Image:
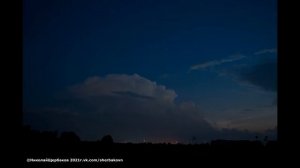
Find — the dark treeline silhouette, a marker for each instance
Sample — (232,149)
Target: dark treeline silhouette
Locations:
(34,136)
(107,139)
(68,144)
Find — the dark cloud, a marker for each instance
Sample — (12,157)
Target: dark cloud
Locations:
(274,102)
(263,75)
(247,111)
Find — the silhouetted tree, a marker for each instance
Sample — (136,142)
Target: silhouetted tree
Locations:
(69,137)
(48,136)
(265,140)
(107,139)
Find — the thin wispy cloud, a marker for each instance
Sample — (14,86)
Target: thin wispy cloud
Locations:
(216,62)
(266,51)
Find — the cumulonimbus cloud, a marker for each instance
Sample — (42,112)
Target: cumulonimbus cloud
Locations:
(131,108)
(121,84)
(216,62)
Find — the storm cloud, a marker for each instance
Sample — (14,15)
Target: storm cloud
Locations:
(130,107)
(263,75)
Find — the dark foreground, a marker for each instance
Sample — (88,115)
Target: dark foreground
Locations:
(46,150)
(227,152)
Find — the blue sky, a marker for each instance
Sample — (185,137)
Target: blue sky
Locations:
(231,45)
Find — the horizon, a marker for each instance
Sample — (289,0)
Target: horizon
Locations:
(58,135)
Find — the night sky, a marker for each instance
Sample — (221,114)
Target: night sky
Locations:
(151,70)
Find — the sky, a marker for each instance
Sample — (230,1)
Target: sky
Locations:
(151,70)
